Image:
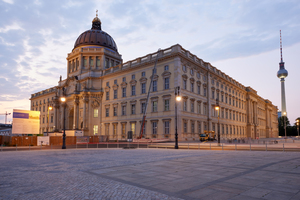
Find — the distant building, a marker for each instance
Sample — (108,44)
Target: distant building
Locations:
(107,97)
(5,129)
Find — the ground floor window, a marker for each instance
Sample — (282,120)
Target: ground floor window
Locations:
(95,129)
(167,127)
(154,128)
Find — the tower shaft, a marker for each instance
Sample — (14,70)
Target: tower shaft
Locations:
(283,105)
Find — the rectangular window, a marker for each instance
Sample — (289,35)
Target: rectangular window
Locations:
(51,119)
(98,62)
(143,88)
(133,109)
(213,94)
(192,107)
(167,127)
(123,110)
(154,71)
(167,104)
(199,108)
(144,129)
(154,106)
(115,129)
(192,87)
(115,111)
(199,89)
(123,130)
(43,120)
(132,128)
(115,94)
(167,83)
(133,77)
(184,106)
(106,129)
(226,99)
(107,112)
(154,128)
(112,63)
(95,129)
(91,62)
(124,79)
(116,81)
(95,112)
(222,98)
(132,90)
(167,68)
(185,127)
(84,62)
(199,127)
(123,92)
(154,86)
(143,107)
(43,108)
(204,92)
(107,84)
(107,95)
(184,84)
(193,127)
(106,63)
(204,109)
(143,74)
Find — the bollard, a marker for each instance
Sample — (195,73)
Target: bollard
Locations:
(222,146)
(250,146)
(118,145)
(266,147)
(147,145)
(235,146)
(283,147)
(209,146)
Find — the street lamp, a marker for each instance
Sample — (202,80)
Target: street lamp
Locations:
(49,108)
(298,124)
(63,99)
(217,108)
(177,98)
(284,123)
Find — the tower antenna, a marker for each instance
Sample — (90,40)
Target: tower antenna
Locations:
(281,47)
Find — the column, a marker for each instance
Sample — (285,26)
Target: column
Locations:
(75,115)
(84,112)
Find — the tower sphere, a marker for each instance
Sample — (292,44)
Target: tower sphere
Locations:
(282,73)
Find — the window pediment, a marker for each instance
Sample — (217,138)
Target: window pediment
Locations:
(107,89)
(198,82)
(133,82)
(123,84)
(115,86)
(155,77)
(184,76)
(166,74)
(143,80)
(192,80)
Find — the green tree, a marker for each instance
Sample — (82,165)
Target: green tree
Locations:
(281,121)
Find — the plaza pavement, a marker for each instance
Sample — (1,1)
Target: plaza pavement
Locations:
(149,174)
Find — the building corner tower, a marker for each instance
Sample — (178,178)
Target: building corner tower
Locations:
(282,74)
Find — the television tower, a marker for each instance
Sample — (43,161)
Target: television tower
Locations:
(282,74)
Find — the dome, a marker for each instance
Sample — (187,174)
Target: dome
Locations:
(96,36)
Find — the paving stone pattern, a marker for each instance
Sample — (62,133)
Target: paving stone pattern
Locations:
(149,174)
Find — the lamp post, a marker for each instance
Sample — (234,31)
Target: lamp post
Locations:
(217,107)
(298,124)
(284,124)
(63,99)
(49,108)
(177,98)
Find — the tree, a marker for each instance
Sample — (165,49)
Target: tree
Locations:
(281,121)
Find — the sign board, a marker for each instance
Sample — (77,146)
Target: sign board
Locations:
(26,122)
(43,140)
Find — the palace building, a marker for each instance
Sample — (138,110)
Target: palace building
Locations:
(105,96)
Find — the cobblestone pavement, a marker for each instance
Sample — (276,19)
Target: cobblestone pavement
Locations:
(149,174)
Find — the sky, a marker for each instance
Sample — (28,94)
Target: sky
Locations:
(239,37)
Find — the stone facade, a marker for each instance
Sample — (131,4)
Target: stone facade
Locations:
(105,96)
